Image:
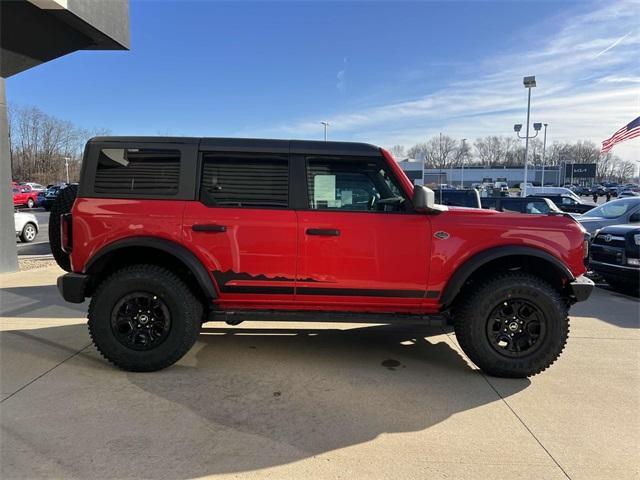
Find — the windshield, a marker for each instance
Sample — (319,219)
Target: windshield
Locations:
(614,209)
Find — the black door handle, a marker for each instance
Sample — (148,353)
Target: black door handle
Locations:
(327,232)
(208,228)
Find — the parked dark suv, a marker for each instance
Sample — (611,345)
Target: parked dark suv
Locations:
(167,233)
(569,204)
(530,205)
(615,255)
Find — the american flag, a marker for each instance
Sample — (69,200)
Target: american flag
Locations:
(630,130)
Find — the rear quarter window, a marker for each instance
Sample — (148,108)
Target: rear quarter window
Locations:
(144,171)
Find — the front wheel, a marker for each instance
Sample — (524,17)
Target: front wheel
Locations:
(30,203)
(29,233)
(144,318)
(512,325)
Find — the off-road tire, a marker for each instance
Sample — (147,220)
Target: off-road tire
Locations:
(27,230)
(62,204)
(185,312)
(472,311)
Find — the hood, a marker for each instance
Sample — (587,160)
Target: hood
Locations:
(620,229)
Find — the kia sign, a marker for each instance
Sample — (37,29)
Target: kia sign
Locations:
(580,170)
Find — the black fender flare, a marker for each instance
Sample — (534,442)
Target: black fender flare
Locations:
(172,248)
(462,274)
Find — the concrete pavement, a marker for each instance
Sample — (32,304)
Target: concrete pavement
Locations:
(283,400)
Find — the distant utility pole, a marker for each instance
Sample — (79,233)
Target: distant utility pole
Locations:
(464,154)
(326,125)
(544,148)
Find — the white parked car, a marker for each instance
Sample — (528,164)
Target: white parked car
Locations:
(36,187)
(26,226)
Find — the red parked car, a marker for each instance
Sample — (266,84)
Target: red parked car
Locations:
(24,195)
(168,233)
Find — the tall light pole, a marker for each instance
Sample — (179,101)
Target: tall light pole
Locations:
(66,165)
(529,83)
(544,148)
(326,125)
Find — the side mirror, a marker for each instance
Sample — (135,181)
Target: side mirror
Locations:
(424,200)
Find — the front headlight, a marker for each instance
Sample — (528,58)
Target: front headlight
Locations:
(585,244)
(636,238)
(633,261)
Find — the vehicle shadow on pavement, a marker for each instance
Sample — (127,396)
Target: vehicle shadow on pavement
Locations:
(41,301)
(274,396)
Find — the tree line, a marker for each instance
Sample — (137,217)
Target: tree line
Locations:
(40,145)
(494,151)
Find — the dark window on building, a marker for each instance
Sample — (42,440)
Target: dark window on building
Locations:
(355,185)
(142,171)
(245,180)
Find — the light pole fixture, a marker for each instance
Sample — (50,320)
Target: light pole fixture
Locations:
(529,83)
(326,125)
(544,151)
(66,164)
(464,152)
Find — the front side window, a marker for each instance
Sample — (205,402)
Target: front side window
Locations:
(245,180)
(352,185)
(144,171)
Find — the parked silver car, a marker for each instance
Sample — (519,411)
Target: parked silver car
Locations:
(615,212)
(26,226)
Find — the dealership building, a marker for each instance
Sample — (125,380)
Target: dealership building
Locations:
(578,173)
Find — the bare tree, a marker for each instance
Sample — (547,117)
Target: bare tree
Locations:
(398,152)
(41,144)
(441,151)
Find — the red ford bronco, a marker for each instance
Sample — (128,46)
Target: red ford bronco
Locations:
(165,234)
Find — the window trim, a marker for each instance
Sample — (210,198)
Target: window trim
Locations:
(230,152)
(186,185)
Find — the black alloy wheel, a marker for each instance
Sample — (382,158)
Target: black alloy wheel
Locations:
(516,328)
(140,321)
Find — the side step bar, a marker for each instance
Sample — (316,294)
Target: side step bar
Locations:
(238,316)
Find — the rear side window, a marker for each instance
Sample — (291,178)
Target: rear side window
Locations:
(138,171)
(537,207)
(245,180)
(514,206)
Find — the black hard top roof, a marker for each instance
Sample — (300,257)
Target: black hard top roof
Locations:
(256,144)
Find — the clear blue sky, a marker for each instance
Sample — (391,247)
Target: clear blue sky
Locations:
(276,69)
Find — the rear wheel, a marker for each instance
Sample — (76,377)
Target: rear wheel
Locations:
(144,318)
(62,204)
(29,232)
(512,325)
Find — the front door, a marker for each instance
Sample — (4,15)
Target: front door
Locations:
(243,229)
(360,243)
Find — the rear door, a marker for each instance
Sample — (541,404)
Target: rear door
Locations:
(360,244)
(241,224)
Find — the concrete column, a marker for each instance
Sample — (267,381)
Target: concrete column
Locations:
(8,252)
